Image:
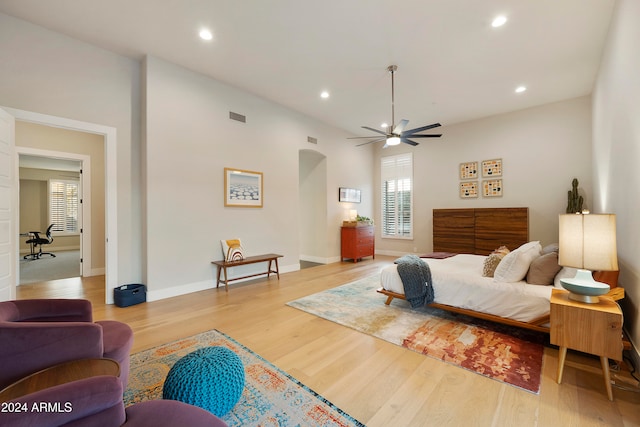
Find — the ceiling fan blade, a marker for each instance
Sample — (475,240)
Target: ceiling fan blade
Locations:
(374,130)
(371,142)
(408,141)
(364,137)
(434,135)
(400,126)
(420,129)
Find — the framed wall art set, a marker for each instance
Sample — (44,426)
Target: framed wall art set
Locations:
(470,187)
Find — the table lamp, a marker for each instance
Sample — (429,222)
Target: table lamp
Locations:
(587,242)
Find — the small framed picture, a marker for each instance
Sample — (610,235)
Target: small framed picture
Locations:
(349,195)
(242,188)
(469,189)
(491,168)
(492,188)
(469,170)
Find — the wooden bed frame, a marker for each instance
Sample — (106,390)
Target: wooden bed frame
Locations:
(480,231)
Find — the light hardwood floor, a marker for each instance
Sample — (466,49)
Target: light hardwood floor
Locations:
(378,383)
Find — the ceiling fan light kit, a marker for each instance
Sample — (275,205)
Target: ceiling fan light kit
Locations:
(396,135)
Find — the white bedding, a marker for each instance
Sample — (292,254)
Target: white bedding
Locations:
(458,281)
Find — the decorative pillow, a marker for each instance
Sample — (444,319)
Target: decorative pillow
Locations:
(553,247)
(492,261)
(490,264)
(564,273)
(232,250)
(543,269)
(532,247)
(502,250)
(514,266)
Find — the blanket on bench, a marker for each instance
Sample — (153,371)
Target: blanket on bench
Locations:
(416,278)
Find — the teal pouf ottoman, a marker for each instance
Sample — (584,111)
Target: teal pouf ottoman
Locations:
(211,378)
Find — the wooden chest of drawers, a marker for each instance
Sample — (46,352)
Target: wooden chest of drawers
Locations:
(357,242)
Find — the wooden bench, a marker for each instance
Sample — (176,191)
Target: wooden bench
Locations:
(223,265)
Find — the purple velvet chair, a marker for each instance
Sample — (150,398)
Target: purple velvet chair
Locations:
(97,402)
(39,333)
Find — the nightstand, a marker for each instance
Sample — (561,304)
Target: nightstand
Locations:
(591,328)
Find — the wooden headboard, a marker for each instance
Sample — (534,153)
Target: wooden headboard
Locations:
(479,231)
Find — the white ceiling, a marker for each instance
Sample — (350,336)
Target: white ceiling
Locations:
(452,65)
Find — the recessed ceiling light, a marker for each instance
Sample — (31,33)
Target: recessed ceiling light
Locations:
(324,94)
(521,89)
(384,125)
(499,21)
(205,34)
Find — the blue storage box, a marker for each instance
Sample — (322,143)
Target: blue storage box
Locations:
(126,295)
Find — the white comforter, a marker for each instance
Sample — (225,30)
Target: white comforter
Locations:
(458,281)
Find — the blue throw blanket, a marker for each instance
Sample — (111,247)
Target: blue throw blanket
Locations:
(416,278)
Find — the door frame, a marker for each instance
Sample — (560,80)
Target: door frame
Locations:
(111,180)
(85,206)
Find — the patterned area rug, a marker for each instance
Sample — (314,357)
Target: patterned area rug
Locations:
(508,354)
(271,397)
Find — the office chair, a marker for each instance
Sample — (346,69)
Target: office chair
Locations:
(36,241)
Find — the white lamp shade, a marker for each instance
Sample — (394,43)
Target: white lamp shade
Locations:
(588,242)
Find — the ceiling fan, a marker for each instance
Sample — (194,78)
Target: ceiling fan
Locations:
(398,134)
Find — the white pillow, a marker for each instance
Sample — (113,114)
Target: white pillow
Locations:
(564,273)
(533,247)
(514,266)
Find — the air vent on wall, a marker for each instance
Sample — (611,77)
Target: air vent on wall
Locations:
(237,117)
(312,140)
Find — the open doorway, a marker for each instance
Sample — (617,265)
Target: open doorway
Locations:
(313,208)
(109,209)
(61,182)
(50,194)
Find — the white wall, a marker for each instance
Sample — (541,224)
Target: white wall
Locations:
(542,150)
(616,149)
(190,139)
(48,73)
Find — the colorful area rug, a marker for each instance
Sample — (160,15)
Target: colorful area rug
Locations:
(508,354)
(271,397)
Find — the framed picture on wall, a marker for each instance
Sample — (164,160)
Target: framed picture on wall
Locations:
(242,188)
(468,170)
(352,195)
(492,188)
(491,168)
(469,190)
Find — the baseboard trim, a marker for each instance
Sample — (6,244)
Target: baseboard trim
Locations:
(174,291)
(94,272)
(320,260)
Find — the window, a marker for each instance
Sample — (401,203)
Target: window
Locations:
(63,206)
(397,197)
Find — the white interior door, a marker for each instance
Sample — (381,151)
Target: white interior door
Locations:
(8,231)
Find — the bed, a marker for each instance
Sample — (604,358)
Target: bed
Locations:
(458,284)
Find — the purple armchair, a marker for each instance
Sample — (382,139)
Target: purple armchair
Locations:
(97,402)
(39,333)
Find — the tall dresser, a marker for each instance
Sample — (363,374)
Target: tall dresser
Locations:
(357,242)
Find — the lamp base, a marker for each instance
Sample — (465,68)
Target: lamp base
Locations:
(583,288)
(589,299)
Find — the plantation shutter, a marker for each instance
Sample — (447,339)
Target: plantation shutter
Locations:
(63,206)
(397,198)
